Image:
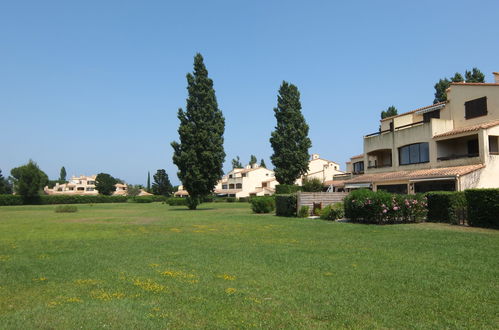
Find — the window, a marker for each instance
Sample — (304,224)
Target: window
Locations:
(90,189)
(475,108)
(239,186)
(414,154)
(358,167)
(231,186)
(473,148)
(224,186)
(264,184)
(80,188)
(432,114)
(244,175)
(91,182)
(230,176)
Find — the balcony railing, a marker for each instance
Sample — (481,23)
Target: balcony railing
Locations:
(451,157)
(396,128)
(379,166)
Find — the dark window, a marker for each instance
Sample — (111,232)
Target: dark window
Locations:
(475,108)
(239,186)
(422,187)
(414,154)
(394,188)
(224,186)
(231,186)
(473,148)
(358,167)
(432,114)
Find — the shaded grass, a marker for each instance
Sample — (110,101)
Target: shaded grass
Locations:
(156,266)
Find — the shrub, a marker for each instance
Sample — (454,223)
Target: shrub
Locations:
(483,207)
(264,204)
(80,199)
(382,207)
(141,199)
(312,185)
(243,199)
(176,201)
(286,189)
(304,211)
(231,199)
(446,206)
(285,205)
(333,212)
(208,199)
(65,209)
(317,208)
(6,200)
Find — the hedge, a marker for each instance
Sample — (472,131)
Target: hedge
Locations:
(483,207)
(446,206)
(61,199)
(286,189)
(382,207)
(10,200)
(176,201)
(285,205)
(263,204)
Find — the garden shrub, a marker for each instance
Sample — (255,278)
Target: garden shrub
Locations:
(333,212)
(317,209)
(285,205)
(264,204)
(231,199)
(7,200)
(141,199)
(65,209)
(243,199)
(446,206)
(312,185)
(304,211)
(286,189)
(176,201)
(382,207)
(208,199)
(483,207)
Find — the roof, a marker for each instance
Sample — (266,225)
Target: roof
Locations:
(474,84)
(181,193)
(469,128)
(270,180)
(416,174)
(227,191)
(357,156)
(334,183)
(260,189)
(325,160)
(415,110)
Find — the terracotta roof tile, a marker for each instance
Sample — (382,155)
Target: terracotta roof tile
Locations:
(415,110)
(357,156)
(416,174)
(334,183)
(474,84)
(469,128)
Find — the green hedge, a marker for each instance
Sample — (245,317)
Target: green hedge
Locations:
(264,204)
(176,201)
(382,207)
(286,189)
(483,207)
(285,205)
(10,200)
(61,199)
(446,206)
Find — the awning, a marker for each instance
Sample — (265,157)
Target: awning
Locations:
(433,179)
(357,185)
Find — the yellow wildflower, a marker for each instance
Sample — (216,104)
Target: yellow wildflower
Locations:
(230,290)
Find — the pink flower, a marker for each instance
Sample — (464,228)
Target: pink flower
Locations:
(384,211)
(395,208)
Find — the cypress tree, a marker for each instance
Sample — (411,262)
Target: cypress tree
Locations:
(199,155)
(290,139)
(253,160)
(148,187)
(262,163)
(236,163)
(161,185)
(62,176)
(474,76)
(391,111)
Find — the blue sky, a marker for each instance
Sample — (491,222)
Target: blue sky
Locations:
(95,85)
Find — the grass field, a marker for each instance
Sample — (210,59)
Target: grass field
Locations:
(156,266)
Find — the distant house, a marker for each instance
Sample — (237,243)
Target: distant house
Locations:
(451,145)
(84,185)
(249,181)
(321,169)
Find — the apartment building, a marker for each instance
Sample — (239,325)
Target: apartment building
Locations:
(249,181)
(82,185)
(321,169)
(452,145)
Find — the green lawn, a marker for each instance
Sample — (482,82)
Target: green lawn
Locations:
(156,266)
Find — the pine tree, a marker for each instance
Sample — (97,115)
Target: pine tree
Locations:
(391,111)
(457,77)
(161,185)
(199,155)
(262,164)
(29,180)
(105,184)
(148,186)
(441,90)
(253,160)
(236,163)
(62,176)
(290,138)
(474,76)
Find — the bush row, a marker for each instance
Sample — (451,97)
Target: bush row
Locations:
(483,207)
(446,206)
(286,189)
(264,204)
(285,205)
(6,200)
(382,207)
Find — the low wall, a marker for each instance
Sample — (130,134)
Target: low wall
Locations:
(325,198)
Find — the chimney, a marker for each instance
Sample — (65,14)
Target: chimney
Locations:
(496,77)
(315,156)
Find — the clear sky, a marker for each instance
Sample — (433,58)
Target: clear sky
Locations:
(95,85)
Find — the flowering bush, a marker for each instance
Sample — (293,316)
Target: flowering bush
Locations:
(382,207)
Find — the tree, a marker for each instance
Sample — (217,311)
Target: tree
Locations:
(474,76)
(457,77)
(441,90)
(29,180)
(391,111)
(199,155)
(148,187)
(105,184)
(236,163)
(133,190)
(62,176)
(312,185)
(262,164)
(161,185)
(5,187)
(290,138)
(253,160)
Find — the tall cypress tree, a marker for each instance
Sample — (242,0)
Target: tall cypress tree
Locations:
(199,155)
(148,186)
(253,160)
(290,139)
(62,175)
(262,163)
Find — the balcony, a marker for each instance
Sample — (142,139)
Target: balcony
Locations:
(459,151)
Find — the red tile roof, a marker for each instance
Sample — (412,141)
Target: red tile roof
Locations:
(415,110)
(416,174)
(469,128)
(474,84)
(334,183)
(357,156)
